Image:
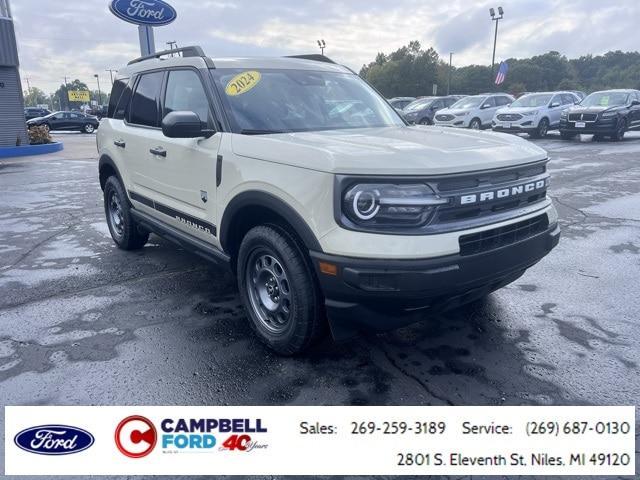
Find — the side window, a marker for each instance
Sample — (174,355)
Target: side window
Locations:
(144,104)
(437,105)
(568,99)
(501,101)
(555,99)
(122,108)
(116,92)
(490,102)
(186,93)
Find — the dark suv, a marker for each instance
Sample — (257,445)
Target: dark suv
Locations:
(422,110)
(35,112)
(609,113)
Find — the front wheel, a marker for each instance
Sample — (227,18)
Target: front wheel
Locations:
(542,130)
(88,128)
(123,228)
(279,291)
(621,129)
(475,124)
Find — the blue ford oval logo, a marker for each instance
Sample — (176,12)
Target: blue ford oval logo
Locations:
(53,440)
(144,12)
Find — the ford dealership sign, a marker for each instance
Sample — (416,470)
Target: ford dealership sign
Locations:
(144,12)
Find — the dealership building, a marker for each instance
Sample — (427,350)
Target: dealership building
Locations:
(13,130)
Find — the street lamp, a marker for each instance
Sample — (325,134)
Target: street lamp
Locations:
(322,45)
(495,18)
(450,68)
(99,92)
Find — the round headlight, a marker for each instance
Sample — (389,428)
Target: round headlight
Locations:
(365,204)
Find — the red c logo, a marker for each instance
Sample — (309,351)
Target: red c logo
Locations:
(136,436)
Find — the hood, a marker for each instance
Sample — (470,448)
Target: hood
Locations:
(34,120)
(520,110)
(597,109)
(402,150)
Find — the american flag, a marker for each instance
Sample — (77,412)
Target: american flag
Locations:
(502,73)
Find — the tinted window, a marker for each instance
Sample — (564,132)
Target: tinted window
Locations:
(500,101)
(186,93)
(144,104)
(491,102)
(450,101)
(437,104)
(116,92)
(568,99)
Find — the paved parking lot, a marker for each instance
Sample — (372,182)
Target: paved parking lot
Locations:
(82,322)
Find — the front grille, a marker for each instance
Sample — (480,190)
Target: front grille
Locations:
(444,118)
(583,117)
(500,237)
(509,117)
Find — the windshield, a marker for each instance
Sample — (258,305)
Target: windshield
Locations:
(535,100)
(605,99)
(277,101)
(468,102)
(418,104)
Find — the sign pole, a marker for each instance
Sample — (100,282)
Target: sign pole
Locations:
(147,40)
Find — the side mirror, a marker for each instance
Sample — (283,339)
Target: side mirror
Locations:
(184,125)
(486,105)
(555,104)
(635,102)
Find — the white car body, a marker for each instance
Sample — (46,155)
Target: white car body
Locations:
(515,119)
(478,116)
(211,190)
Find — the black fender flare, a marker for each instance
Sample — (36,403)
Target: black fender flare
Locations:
(266,200)
(106,160)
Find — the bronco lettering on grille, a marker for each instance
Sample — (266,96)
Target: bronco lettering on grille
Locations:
(502,193)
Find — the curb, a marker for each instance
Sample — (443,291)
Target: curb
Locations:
(23,151)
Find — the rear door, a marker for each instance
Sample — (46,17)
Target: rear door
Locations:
(489,109)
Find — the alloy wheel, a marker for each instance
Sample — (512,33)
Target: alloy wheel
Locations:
(116,215)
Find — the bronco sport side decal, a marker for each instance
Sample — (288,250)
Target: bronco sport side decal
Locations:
(185,219)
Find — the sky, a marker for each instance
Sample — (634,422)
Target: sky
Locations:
(81,38)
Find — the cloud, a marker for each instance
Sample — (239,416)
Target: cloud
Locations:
(79,38)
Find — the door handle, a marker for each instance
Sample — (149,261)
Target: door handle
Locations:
(119,143)
(159,151)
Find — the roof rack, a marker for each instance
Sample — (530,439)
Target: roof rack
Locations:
(193,51)
(312,56)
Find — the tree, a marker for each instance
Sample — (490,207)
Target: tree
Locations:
(34,96)
(63,94)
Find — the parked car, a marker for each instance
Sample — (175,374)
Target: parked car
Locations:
(323,212)
(66,121)
(535,113)
(579,94)
(474,112)
(421,111)
(608,113)
(35,112)
(400,102)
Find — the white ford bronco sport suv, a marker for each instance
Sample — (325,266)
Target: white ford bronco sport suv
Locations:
(301,178)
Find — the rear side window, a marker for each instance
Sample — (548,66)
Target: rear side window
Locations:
(116,92)
(121,109)
(186,93)
(144,104)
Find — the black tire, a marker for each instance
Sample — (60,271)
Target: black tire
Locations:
(279,290)
(567,135)
(475,124)
(125,232)
(88,128)
(425,121)
(542,130)
(621,129)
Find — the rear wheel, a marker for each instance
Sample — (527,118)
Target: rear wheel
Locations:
(279,290)
(124,230)
(475,124)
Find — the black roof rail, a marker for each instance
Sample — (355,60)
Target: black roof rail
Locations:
(192,51)
(313,56)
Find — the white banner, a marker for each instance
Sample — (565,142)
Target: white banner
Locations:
(319,440)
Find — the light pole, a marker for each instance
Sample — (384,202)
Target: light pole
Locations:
(99,92)
(450,67)
(111,72)
(495,18)
(322,45)
(172,44)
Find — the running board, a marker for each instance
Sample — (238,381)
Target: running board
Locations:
(186,241)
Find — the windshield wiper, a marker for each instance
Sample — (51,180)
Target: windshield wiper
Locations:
(249,131)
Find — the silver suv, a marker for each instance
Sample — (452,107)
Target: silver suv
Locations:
(534,113)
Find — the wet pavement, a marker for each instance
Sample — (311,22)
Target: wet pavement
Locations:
(82,322)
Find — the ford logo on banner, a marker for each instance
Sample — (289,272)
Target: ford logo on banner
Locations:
(144,12)
(53,440)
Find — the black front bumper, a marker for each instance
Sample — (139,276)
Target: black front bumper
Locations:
(599,127)
(386,294)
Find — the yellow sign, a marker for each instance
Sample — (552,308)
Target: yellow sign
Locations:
(79,96)
(242,83)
